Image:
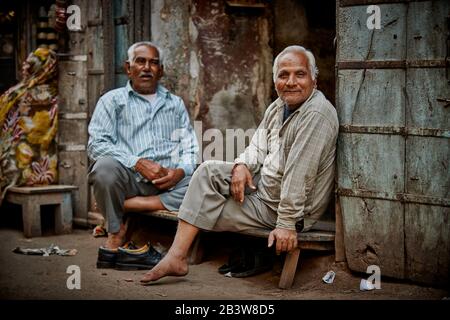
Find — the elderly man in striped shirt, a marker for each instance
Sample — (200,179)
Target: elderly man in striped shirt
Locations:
(293,152)
(143,145)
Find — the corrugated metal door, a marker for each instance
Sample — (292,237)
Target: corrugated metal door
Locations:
(393,150)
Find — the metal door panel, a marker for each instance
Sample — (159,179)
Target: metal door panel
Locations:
(424,87)
(358,43)
(372,97)
(373,235)
(427,166)
(427,242)
(427,31)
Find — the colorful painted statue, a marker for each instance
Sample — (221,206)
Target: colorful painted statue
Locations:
(28,125)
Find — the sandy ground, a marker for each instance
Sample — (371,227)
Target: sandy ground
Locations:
(38,277)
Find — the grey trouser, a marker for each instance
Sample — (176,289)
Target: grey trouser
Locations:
(208,204)
(113,183)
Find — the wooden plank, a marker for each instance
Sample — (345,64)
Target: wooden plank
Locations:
(108,44)
(42,189)
(64,215)
(73,94)
(357,42)
(77,42)
(164,214)
(72,168)
(95,10)
(427,242)
(374,235)
(302,236)
(96,89)
(289,269)
(95,49)
(307,236)
(31,216)
(67,128)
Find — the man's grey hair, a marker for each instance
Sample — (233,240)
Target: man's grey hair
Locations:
(311,60)
(147,44)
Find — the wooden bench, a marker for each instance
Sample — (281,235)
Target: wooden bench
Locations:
(321,238)
(31,199)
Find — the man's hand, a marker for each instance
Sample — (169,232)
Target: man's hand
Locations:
(241,177)
(149,169)
(172,177)
(286,240)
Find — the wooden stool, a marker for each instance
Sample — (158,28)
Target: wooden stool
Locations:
(31,199)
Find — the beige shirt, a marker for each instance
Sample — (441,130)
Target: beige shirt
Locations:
(295,159)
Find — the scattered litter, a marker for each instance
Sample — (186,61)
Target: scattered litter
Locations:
(128,280)
(52,249)
(329,277)
(366,285)
(104,274)
(99,231)
(228,274)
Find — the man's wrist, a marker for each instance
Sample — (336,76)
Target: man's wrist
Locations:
(236,165)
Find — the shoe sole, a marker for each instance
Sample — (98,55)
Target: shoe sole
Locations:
(105,265)
(252,272)
(129,266)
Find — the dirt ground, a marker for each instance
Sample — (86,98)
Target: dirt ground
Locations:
(38,277)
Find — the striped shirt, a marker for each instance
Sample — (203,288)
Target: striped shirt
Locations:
(295,159)
(127,127)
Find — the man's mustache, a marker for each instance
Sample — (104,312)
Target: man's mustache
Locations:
(146,74)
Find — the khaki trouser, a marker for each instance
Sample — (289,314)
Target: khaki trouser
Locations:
(208,204)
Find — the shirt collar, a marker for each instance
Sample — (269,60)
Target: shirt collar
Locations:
(280,103)
(161,91)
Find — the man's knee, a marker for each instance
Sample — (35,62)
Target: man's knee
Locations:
(105,172)
(210,166)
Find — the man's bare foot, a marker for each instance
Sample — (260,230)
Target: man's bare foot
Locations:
(170,265)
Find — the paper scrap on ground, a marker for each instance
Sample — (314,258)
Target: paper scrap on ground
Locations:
(366,285)
(52,249)
(99,231)
(329,277)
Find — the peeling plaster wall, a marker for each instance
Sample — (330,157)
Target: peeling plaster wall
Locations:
(219,61)
(169,25)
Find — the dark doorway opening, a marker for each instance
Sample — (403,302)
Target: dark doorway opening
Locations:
(311,24)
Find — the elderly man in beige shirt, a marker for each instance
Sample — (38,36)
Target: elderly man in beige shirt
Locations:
(292,154)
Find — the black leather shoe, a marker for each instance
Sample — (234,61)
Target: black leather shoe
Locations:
(140,259)
(107,257)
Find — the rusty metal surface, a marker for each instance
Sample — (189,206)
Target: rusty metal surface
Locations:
(394,142)
(401,197)
(234,96)
(392,130)
(347,3)
(402,64)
